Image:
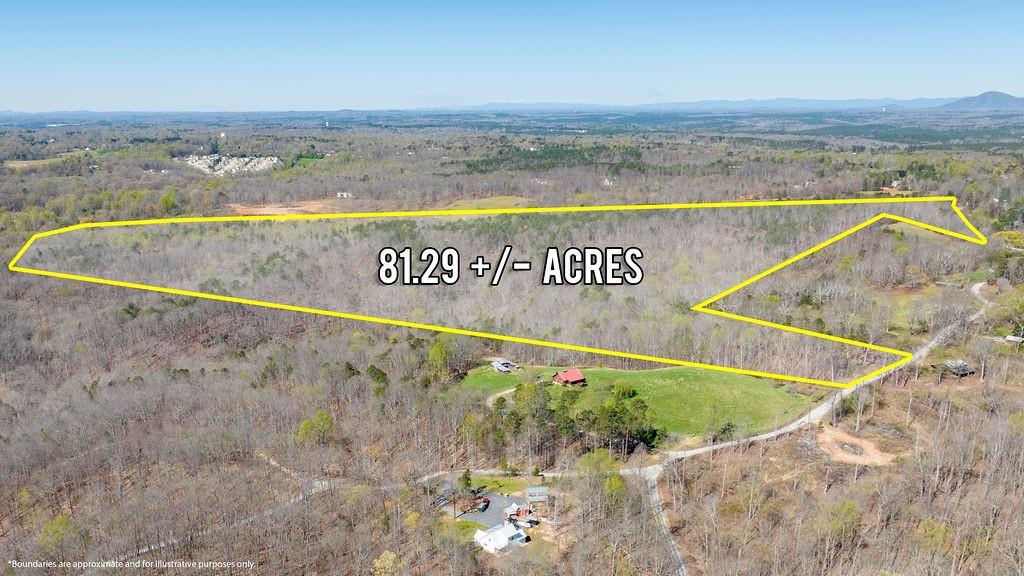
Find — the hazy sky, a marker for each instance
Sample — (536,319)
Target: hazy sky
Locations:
(305,55)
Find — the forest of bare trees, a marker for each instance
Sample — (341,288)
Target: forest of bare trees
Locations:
(143,425)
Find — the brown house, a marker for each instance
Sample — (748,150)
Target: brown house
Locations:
(569,377)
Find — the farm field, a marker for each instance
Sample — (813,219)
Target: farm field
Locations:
(27,164)
(490,202)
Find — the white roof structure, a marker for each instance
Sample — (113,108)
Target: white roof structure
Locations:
(497,538)
(503,365)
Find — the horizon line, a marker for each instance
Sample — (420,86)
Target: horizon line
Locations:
(708,102)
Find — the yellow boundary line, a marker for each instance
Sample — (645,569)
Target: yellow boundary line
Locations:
(704,306)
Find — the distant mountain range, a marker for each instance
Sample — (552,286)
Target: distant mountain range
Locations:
(986,102)
(793,104)
(989,101)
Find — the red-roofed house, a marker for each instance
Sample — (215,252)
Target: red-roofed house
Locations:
(569,377)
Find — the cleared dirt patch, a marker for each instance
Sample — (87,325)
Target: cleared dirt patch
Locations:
(297,207)
(846,448)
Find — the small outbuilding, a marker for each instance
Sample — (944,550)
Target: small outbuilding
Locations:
(536,494)
(958,368)
(569,377)
(513,511)
(504,366)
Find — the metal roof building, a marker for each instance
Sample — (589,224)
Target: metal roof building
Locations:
(536,494)
(569,376)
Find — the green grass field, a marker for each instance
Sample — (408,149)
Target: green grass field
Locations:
(306,160)
(485,380)
(683,400)
(903,300)
(502,485)
(22,164)
(464,529)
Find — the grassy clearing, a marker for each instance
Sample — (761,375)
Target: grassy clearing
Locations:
(490,202)
(486,381)
(501,485)
(691,401)
(307,160)
(22,164)
(903,299)
(967,277)
(27,164)
(683,400)
(538,547)
(464,529)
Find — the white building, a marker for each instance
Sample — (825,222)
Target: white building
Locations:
(511,511)
(503,366)
(497,538)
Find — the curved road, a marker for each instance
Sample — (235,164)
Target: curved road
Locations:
(653,472)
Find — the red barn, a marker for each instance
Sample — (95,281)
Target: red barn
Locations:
(569,377)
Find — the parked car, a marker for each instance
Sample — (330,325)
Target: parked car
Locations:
(482,504)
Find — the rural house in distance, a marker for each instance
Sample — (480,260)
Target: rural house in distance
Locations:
(504,366)
(569,377)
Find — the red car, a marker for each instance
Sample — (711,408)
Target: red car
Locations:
(482,504)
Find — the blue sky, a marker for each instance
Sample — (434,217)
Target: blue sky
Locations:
(312,56)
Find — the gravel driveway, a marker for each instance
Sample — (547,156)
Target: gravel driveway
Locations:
(492,516)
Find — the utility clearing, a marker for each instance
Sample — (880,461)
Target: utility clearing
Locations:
(844,447)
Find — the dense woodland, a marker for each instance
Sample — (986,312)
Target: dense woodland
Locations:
(131,419)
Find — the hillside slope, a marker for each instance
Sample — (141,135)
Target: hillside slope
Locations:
(989,101)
